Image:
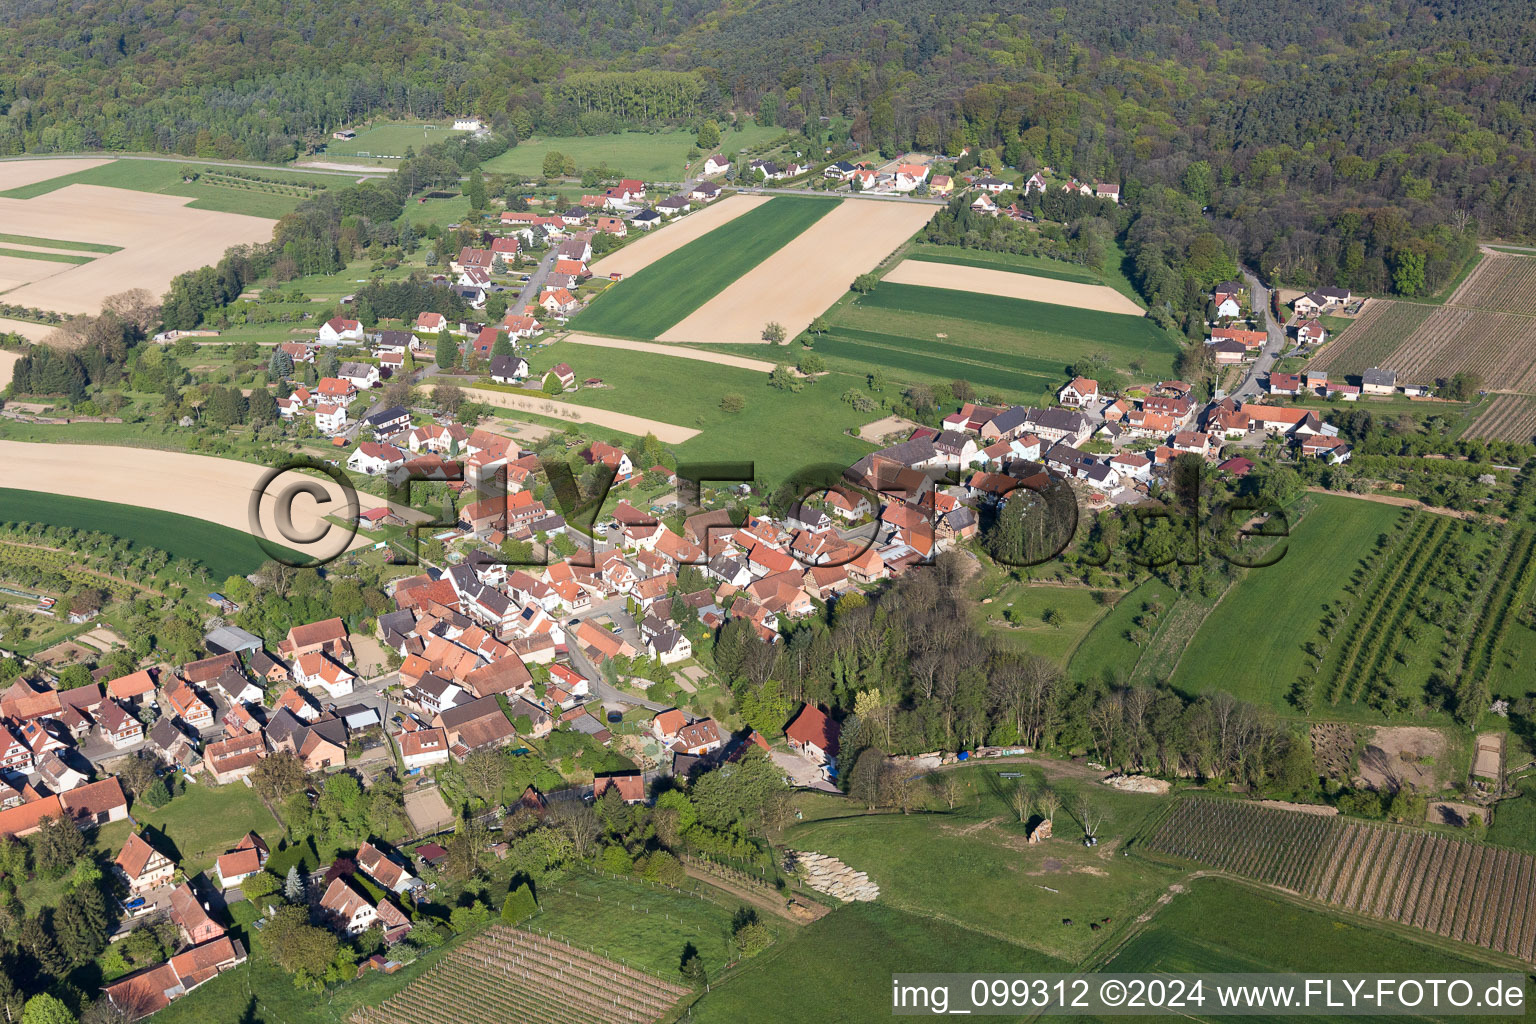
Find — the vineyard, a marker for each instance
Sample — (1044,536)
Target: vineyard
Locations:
(1501,282)
(1507,418)
(507,974)
(1469,892)
(1424,344)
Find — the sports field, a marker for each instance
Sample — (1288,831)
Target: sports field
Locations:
(652,156)
(224,551)
(1014,347)
(654,299)
(1250,645)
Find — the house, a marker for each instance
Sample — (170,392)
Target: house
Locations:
(361,376)
(842,170)
(1081,393)
(96,803)
(388,421)
(509,369)
(1285,384)
(191,918)
(386,873)
(909,176)
(984,203)
(330,419)
(235,758)
(1250,340)
(614,458)
(941,185)
(153,989)
(991,185)
(1228,353)
(612,225)
(322,745)
(393,343)
(187,705)
(423,748)
(348,909)
(1107,190)
(319,670)
(173,747)
(716,164)
(328,636)
(629,785)
(1311,332)
(814,735)
(242,862)
(559,302)
(118,725)
(564,374)
(1036,183)
(520,326)
(1377,381)
(134,689)
(1227,304)
(1321,300)
(375,459)
(675,732)
(341,331)
(1345,392)
(142,866)
(475,725)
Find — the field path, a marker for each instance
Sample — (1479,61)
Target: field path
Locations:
(803,279)
(667,433)
(675,351)
(212,489)
(1011,285)
(674,235)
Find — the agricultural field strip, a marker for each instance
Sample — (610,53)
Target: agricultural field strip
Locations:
(56,243)
(1013,285)
(1465,891)
(1502,282)
(1507,418)
(1508,589)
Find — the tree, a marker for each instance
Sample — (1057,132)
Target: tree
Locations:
(519,905)
(810,364)
(475,192)
(294,888)
(709,135)
(56,845)
(259,886)
(1021,800)
(784,379)
(46,1009)
(818,325)
(552,385)
(773,332)
(864,782)
(278,775)
(280,366)
(297,946)
(502,346)
(691,967)
(865,283)
(447,350)
(554,164)
(732,402)
(876,380)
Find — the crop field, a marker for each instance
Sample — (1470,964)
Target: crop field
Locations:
(1468,892)
(1425,344)
(1500,282)
(658,156)
(1014,347)
(670,237)
(1012,284)
(1507,418)
(1035,266)
(268,193)
(508,974)
(656,298)
(1323,549)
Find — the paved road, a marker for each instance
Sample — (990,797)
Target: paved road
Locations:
(536,279)
(1259,368)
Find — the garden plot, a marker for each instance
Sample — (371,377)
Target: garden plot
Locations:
(1012,286)
(806,276)
(669,238)
(159,235)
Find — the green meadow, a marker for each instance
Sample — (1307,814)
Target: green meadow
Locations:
(652,156)
(218,189)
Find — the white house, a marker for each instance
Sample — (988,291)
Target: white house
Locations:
(340,331)
(375,459)
(467,124)
(716,164)
(423,748)
(1081,393)
(330,419)
(360,375)
(316,669)
(348,908)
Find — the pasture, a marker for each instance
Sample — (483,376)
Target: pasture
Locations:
(205,821)
(1035,266)
(1107,650)
(651,156)
(1010,283)
(974,866)
(803,277)
(1251,643)
(385,143)
(657,297)
(839,968)
(1044,619)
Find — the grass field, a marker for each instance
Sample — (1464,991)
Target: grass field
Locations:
(839,969)
(972,866)
(1514,820)
(1035,266)
(639,924)
(47,257)
(165,176)
(57,243)
(1106,650)
(1251,643)
(779,431)
(224,551)
(652,157)
(1227,927)
(389,140)
(646,304)
(1017,616)
(206,821)
(1015,347)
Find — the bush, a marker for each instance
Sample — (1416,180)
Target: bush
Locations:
(519,905)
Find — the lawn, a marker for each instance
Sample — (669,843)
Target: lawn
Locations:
(206,820)
(1224,926)
(639,924)
(651,301)
(1251,644)
(973,867)
(839,969)
(165,176)
(1018,611)
(225,552)
(57,243)
(1514,820)
(1013,347)
(46,257)
(1106,652)
(387,141)
(778,430)
(658,156)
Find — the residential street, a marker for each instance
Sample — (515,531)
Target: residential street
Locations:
(1259,298)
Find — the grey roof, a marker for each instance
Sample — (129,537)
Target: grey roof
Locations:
(354,369)
(909,453)
(401,621)
(674,203)
(1010,419)
(283,724)
(1058,419)
(647,216)
(1380,377)
(509,366)
(469,711)
(395,337)
(394,412)
(227,639)
(587,725)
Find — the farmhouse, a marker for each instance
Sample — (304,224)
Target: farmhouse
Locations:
(1081,393)
(1377,381)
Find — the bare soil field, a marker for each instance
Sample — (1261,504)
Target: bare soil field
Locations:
(8,361)
(161,237)
(671,350)
(26,328)
(667,433)
(211,489)
(880,429)
(1013,286)
(674,235)
(1402,755)
(801,280)
(16,173)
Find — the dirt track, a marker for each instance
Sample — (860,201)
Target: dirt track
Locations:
(161,237)
(672,350)
(667,433)
(1013,286)
(672,236)
(211,489)
(801,280)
